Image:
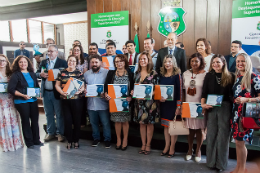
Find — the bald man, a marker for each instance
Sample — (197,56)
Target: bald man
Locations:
(178,53)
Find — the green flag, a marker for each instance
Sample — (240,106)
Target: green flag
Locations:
(136,43)
(148,35)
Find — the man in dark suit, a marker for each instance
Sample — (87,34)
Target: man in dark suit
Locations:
(51,97)
(236,46)
(131,55)
(21,51)
(178,53)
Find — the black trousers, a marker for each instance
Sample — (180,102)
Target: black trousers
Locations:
(84,112)
(29,112)
(72,111)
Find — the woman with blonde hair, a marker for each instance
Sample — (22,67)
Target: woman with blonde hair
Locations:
(170,75)
(10,128)
(245,89)
(146,112)
(218,81)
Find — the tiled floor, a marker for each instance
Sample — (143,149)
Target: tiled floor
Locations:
(53,157)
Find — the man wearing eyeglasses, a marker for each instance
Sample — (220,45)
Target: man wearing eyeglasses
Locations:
(50,41)
(21,51)
(51,97)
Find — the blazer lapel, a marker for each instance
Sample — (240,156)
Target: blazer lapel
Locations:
(56,65)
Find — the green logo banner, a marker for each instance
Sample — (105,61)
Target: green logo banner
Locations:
(171,20)
(245,8)
(118,18)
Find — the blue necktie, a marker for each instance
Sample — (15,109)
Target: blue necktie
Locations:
(171,51)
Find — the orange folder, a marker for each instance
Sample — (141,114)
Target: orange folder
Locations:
(111,91)
(112,106)
(185,110)
(157,92)
(67,85)
(52,74)
(105,60)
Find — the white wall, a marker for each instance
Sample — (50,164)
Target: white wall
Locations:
(75,32)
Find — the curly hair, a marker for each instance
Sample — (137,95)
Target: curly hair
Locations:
(15,65)
(201,59)
(8,70)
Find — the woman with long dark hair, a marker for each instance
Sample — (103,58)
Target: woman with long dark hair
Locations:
(23,76)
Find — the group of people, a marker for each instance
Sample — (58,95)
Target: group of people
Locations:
(205,73)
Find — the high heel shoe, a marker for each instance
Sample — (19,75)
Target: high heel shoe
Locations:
(171,155)
(188,157)
(163,154)
(69,146)
(147,152)
(142,151)
(118,147)
(124,148)
(197,159)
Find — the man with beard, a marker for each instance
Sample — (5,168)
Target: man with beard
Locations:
(98,107)
(92,50)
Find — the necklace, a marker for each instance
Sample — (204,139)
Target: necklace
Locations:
(119,75)
(195,74)
(218,80)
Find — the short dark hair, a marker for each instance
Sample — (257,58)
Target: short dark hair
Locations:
(237,42)
(109,41)
(96,56)
(122,58)
(111,44)
(181,44)
(129,41)
(77,60)
(149,38)
(202,62)
(15,65)
(94,44)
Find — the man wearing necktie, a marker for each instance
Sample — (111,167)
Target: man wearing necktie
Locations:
(178,53)
(131,55)
(22,51)
(51,98)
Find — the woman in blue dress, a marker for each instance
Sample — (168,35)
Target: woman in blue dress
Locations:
(170,75)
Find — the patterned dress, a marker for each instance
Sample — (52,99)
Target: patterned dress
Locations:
(121,116)
(146,111)
(81,67)
(239,133)
(10,127)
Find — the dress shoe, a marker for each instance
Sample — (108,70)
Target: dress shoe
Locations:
(60,138)
(48,138)
(31,147)
(124,148)
(39,143)
(197,159)
(188,157)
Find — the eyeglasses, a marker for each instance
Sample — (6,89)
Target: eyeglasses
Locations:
(50,51)
(76,50)
(22,44)
(116,62)
(72,61)
(2,61)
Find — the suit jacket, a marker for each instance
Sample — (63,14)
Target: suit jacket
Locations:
(18,52)
(60,63)
(179,54)
(60,55)
(135,58)
(18,82)
(233,66)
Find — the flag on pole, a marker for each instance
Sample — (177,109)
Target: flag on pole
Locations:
(136,43)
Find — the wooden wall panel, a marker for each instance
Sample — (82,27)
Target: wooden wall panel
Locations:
(99,6)
(135,11)
(225,18)
(91,8)
(108,6)
(125,5)
(155,8)
(204,18)
(200,19)
(188,36)
(116,4)
(213,24)
(146,11)
(180,38)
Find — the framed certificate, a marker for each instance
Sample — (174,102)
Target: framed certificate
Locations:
(95,90)
(192,110)
(214,100)
(144,91)
(117,90)
(33,92)
(118,105)
(165,91)
(3,87)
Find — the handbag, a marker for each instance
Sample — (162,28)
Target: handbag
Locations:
(250,118)
(178,127)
